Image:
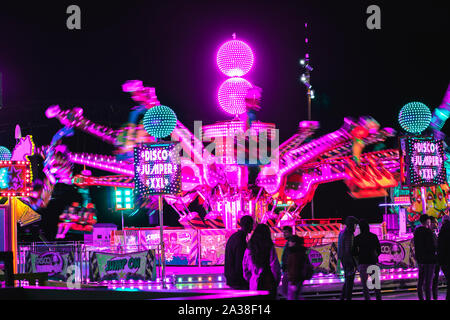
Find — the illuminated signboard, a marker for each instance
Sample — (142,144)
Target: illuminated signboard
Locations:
(157,169)
(15,179)
(424,161)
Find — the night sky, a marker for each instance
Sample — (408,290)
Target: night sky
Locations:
(171,45)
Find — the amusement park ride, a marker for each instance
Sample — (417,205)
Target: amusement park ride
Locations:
(233,167)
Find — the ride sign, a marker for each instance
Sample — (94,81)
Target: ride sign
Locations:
(157,169)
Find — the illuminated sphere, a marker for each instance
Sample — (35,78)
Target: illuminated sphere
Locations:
(235,58)
(160,121)
(5,154)
(414,117)
(232,94)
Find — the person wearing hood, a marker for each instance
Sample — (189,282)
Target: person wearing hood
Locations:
(425,252)
(366,249)
(295,265)
(260,265)
(345,255)
(444,250)
(287,234)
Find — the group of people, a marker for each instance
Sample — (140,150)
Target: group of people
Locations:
(358,253)
(432,252)
(254,265)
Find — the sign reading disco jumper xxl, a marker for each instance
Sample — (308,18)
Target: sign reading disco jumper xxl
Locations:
(157,169)
(424,161)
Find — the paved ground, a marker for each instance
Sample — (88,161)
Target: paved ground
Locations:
(410,294)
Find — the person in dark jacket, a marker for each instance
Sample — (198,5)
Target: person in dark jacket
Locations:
(437,267)
(425,252)
(234,254)
(345,255)
(366,249)
(444,250)
(287,234)
(260,264)
(295,266)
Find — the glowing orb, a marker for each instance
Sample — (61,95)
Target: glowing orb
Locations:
(235,58)
(414,117)
(5,154)
(232,94)
(160,121)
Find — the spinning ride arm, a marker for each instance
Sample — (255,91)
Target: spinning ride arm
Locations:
(441,113)
(271,177)
(306,129)
(74,119)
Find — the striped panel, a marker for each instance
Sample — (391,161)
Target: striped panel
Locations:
(215,223)
(272,223)
(94,273)
(150,265)
(220,247)
(333,263)
(194,250)
(28,267)
(197,222)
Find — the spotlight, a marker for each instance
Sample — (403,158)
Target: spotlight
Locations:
(302,62)
(303,78)
(309,68)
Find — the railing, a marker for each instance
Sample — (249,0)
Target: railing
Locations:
(318,221)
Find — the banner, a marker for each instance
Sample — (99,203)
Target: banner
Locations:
(319,257)
(397,254)
(212,246)
(181,246)
(55,263)
(394,254)
(131,266)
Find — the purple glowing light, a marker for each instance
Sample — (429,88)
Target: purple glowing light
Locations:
(232,94)
(235,58)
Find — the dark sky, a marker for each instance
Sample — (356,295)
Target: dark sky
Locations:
(171,45)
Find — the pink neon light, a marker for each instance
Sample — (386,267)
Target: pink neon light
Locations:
(235,58)
(231,128)
(232,94)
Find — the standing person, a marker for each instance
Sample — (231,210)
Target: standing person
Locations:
(444,250)
(287,234)
(366,249)
(295,266)
(260,263)
(437,268)
(425,251)
(234,253)
(345,254)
